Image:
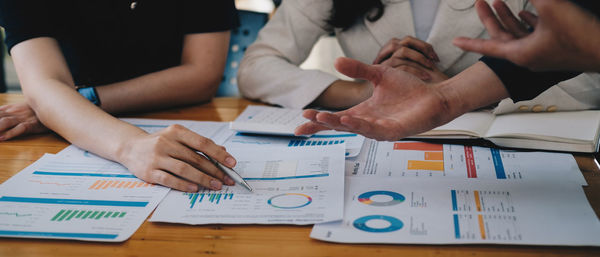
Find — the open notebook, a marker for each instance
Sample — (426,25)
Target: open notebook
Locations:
(559,131)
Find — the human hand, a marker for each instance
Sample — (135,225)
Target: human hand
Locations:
(169,157)
(18,119)
(343,94)
(411,55)
(565,37)
(401,105)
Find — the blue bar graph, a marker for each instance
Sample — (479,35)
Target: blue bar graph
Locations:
(214,198)
(454,202)
(333,136)
(56,234)
(456,227)
(311,142)
(500,174)
(71,201)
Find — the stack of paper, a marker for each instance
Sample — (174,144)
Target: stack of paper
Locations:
(76,198)
(421,193)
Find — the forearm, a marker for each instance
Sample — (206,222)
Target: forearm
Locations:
(180,85)
(49,90)
(195,80)
(343,94)
(473,88)
(79,121)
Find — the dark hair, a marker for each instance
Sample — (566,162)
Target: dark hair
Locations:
(345,12)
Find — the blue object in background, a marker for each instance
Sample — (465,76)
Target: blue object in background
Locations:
(241,38)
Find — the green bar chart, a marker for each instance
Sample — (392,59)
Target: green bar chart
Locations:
(67,215)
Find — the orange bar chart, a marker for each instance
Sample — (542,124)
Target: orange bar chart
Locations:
(425,165)
(117,184)
(481,227)
(477,201)
(434,156)
(418,146)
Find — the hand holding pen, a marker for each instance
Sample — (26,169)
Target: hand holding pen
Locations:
(231,173)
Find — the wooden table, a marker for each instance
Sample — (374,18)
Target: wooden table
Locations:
(153,239)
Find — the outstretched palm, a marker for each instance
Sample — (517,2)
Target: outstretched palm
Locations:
(401,105)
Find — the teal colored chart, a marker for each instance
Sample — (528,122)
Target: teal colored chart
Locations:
(290,201)
(366,198)
(394,224)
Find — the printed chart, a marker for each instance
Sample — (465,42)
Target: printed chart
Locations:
(291,186)
(75,198)
(459,211)
(422,160)
(353,142)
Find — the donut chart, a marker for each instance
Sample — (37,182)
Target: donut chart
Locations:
(394,224)
(290,201)
(366,198)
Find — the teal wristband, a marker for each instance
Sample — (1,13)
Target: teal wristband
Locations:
(90,93)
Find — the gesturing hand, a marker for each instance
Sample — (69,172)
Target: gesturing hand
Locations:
(411,55)
(565,37)
(18,119)
(169,157)
(401,105)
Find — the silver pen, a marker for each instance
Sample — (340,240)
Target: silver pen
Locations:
(231,173)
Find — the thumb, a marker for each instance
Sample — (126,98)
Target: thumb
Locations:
(355,69)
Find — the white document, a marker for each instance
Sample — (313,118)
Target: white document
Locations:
(411,211)
(268,120)
(82,198)
(353,142)
(291,186)
(412,159)
(221,134)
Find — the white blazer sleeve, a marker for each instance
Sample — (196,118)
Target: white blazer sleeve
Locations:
(270,71)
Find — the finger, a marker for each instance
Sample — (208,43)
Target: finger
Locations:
(14,132)
(355,69)
(529,18)
(357,125)
(200,164)
(310,114)
(309,128)
(189,173)
(164,178)
(202,144)
(483,46)
(387,50)
(408,66)
(511,23)
(413,55)
(421,46)
(7,123)
(489,20)
(329,119)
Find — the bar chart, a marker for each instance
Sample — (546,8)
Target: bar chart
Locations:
(212,197)
(420,156)
(118,184)
(69,214)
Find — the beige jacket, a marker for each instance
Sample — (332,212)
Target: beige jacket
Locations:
(269,71)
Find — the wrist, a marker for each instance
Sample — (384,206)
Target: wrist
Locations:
(475,87)
(125,147)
